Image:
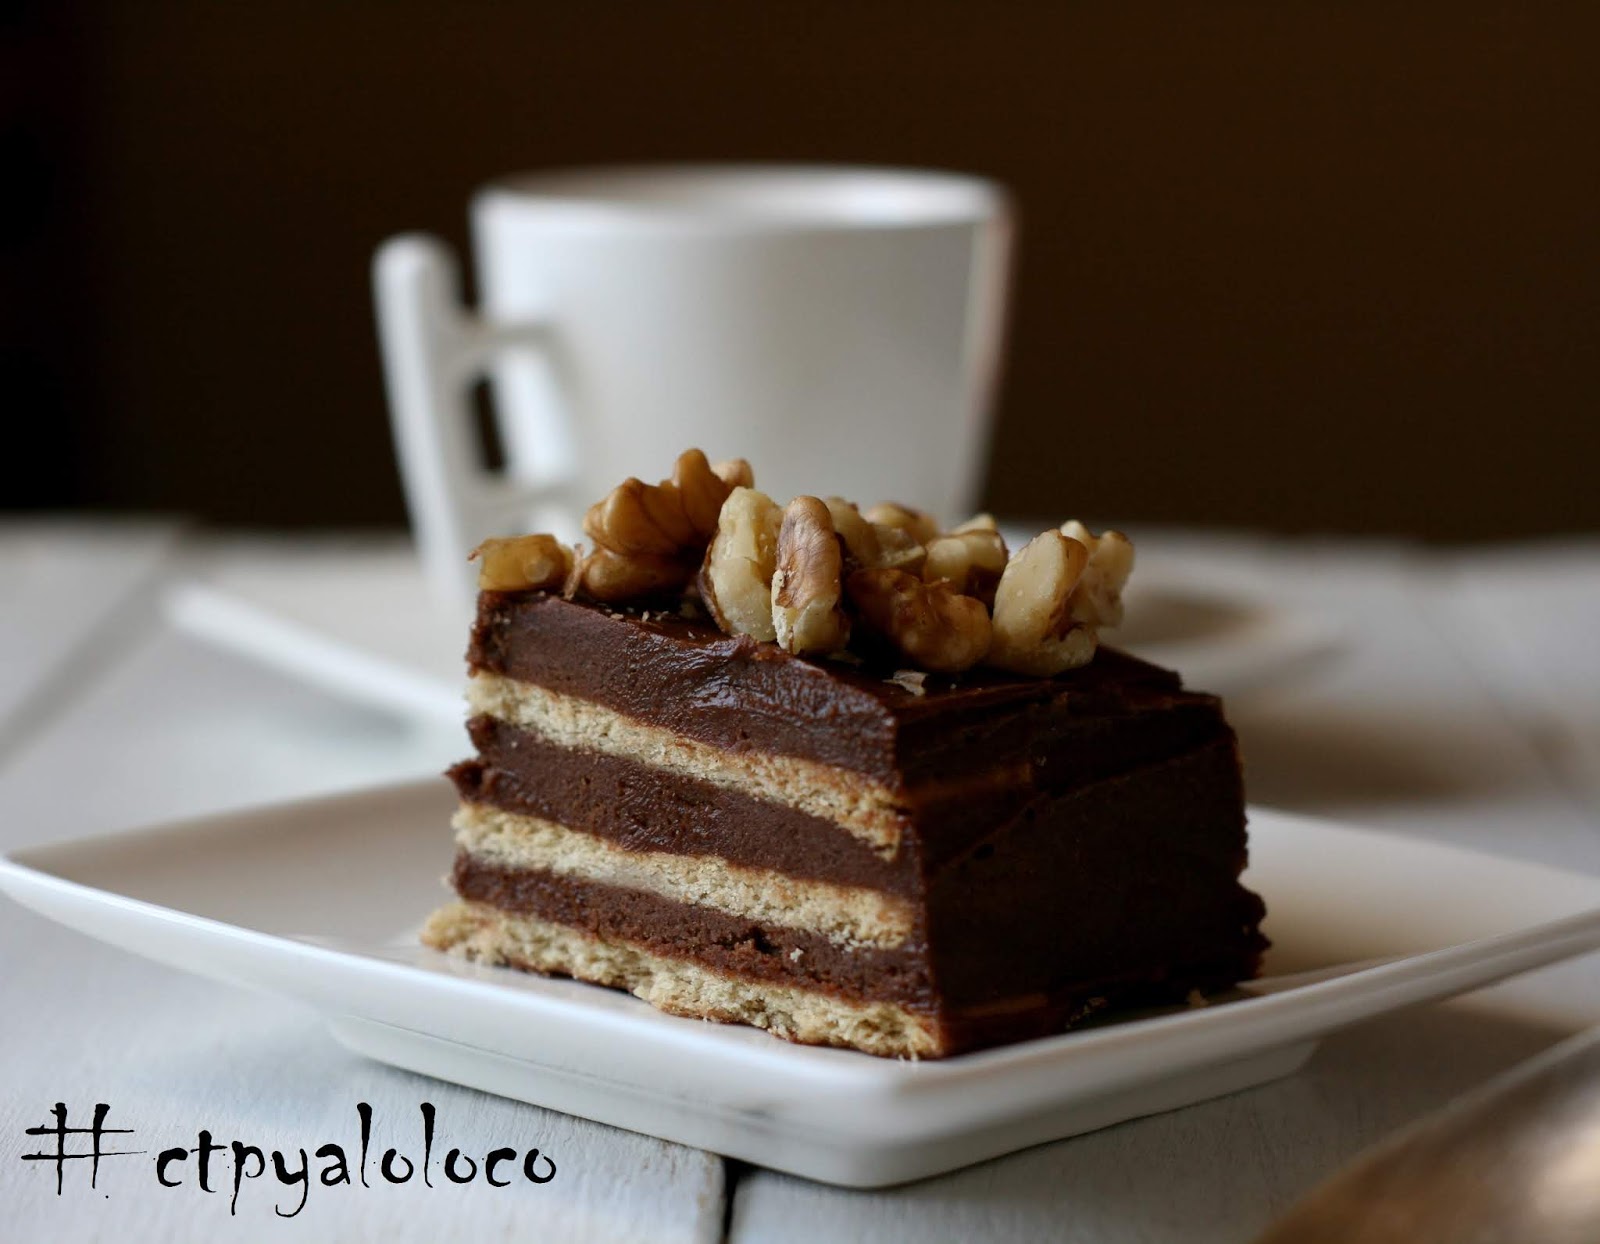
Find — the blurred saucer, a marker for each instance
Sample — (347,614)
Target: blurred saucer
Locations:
(351,617)
(1226,644)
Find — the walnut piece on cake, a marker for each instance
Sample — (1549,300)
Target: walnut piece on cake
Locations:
(943,600)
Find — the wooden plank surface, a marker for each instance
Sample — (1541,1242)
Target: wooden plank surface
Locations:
(1530,616)
(73,593)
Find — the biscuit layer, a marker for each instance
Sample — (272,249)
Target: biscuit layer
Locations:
(846,915)
(486,934)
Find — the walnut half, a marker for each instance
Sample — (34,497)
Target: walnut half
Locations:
(871,544)
(919,524)
(650,537)
(931,624)
(735,473)
(806,582)
(735,580)
(971,559)
(1034,630)
(671,519)
(616,578)
(522,563)
(1097,600)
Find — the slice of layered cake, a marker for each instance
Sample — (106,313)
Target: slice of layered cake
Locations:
(838,775)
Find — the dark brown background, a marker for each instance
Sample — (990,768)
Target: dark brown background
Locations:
(1303,266)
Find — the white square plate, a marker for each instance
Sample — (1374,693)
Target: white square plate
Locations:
(315,900)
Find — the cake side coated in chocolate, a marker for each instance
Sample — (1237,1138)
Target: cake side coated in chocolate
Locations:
(1062,842)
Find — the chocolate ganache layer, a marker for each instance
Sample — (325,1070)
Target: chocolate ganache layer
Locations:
(642,808)
(689,678)
(1118,877)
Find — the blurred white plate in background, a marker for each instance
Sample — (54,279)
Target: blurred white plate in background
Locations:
(1226,643)
(352,618)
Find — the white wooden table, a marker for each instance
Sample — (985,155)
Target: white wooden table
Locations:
(1467,710)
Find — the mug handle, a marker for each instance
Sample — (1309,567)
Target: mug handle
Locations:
(434,351)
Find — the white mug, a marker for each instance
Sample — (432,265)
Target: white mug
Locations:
(840,328)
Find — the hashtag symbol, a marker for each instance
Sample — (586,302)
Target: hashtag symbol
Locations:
(61,1131)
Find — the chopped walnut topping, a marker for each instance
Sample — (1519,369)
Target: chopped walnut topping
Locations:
(1098,599)
(639,519)
(935,627)
(899,549)
(860,540)
(806,575)
(736,578)
(663,527)
(806,584)
(522,563)
(618,577)
(1034,631)
(872,545)
(970,559)
(701,490)
(735,473)
(921,526)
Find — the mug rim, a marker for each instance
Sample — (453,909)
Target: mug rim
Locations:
(757,197)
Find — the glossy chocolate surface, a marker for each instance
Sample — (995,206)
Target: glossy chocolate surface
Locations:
(741,695)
